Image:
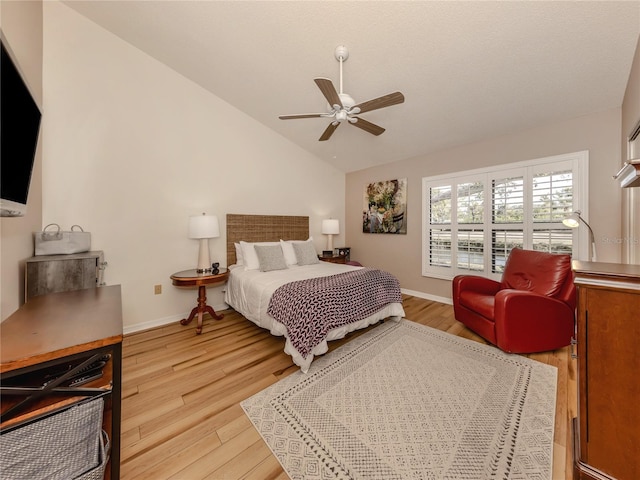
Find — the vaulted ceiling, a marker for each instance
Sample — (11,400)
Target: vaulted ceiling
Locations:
(468,70)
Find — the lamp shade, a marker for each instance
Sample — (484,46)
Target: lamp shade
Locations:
(572,221)
(331,226)
(203,226)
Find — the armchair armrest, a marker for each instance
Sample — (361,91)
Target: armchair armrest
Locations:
(526,321)
(475,283)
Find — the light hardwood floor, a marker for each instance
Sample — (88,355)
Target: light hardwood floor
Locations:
(181,414)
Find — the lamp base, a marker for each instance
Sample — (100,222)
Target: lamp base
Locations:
(330,242)
(204,261)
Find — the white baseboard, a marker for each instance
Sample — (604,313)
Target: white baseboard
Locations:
(159,322)
(426,296)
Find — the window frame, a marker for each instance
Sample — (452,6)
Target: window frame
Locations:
(577,163)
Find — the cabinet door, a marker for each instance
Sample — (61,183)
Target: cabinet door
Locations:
(609,387)
(60,276)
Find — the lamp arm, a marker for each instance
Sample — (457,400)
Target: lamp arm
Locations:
(593,238)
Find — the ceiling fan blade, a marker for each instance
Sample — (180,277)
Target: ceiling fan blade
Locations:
(302,115)
(329,131)
(380,102)
(329,91)
(368,126)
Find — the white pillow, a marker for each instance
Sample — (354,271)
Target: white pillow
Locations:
(249,255)
(305,253)
(238,254)
(270,257)
(289,253)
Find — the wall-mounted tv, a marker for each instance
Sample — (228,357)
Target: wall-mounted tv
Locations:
(19,128)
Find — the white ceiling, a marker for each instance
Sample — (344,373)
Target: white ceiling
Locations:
(468,70)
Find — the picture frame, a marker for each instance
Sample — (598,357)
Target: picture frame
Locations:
(385,207)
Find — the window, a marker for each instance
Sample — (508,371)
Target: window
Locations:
(472,220)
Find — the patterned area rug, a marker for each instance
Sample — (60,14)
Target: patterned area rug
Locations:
(405,401)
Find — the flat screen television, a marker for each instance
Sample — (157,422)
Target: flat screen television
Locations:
(19,129)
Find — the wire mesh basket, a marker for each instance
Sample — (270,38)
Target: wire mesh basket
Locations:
(68,445)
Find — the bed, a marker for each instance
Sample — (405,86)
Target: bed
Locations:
(299,302)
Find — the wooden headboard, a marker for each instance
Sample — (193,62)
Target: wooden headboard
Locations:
(263,228)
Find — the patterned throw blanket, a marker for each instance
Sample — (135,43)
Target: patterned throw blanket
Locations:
(310,308)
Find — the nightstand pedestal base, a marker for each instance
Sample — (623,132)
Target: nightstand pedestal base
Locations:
(200,310)
(193,278)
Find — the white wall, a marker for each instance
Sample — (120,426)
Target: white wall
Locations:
(132,148)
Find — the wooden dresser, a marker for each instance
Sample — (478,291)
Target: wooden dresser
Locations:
(607,429)
(65,329)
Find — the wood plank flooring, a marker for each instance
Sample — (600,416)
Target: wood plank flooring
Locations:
(181,414)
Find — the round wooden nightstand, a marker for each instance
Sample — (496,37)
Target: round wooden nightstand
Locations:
(191,278)
(333,258)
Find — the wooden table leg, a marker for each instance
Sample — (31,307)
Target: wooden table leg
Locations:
(201,309)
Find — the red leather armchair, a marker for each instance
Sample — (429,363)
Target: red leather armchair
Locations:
(532,309)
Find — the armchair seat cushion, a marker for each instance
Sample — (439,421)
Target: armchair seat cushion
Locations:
(479,302)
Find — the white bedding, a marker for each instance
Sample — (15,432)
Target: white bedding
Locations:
(249,291)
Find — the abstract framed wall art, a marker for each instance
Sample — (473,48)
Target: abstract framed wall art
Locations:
(385,207)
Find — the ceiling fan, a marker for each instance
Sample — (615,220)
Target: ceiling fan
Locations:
(342,106)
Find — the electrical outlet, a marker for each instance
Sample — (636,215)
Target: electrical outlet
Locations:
(157,289)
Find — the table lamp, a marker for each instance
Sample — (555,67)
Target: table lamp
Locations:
(573,221)
(330,228)
(203,227)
